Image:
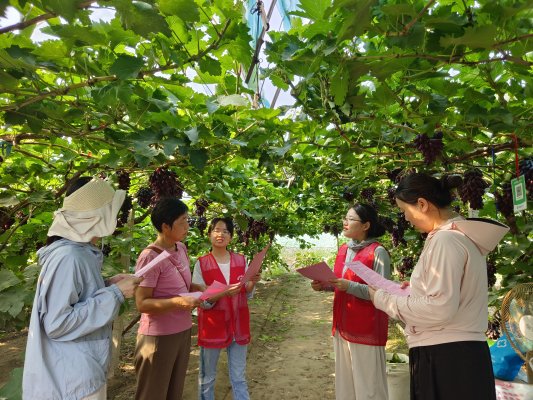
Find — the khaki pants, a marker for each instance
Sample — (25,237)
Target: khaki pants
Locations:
(161,365)
(360,371)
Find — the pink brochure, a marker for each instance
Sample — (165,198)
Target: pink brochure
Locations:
(255,265)
(215,288)
(318,272)
(151,264)
(374,279)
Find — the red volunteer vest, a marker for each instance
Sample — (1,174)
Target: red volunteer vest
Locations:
(229,318)
(357,320)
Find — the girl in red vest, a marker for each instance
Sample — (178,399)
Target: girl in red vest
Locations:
(223,320)
(359,329)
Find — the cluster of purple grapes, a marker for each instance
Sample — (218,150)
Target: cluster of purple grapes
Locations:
(395,175)
(388,223)
(200,223)
(124,180)
(165,183)
(406,267)
(431,148)
(200,206)
(334,229)
(391,195)
(398,231)
(106,249)
(473,188)
(125,210)
(367,194)
(504,200)
(6,221)
(491,273)
(348,194)
(254,231)
(144,197)
(526,169)
(494,327)
(256,228)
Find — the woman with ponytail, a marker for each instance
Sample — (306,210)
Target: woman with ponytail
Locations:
(446,312)
(359,329)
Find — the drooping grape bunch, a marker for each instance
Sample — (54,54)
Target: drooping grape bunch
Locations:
(367,194)
(491,273)
(256,228)
(406,267)
(336,229)
(240,234)
(106,249)
(395,175)
(504,200)
(494,327)
(473,188)
(192,221)
(6,220)
(397,237)
(125,210)
(399,230)
(526,169)
(431,148)
(388,223)
(348,194)
(200,206)
(165,183)
(124,180)
(201,224)
(391,195)
(144,197)
(504,204)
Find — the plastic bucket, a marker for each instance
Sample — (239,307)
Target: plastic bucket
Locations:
(398,377)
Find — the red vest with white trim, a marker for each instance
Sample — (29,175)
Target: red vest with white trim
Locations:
(229,318)
(357,320)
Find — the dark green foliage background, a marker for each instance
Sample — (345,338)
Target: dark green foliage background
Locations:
(367,78)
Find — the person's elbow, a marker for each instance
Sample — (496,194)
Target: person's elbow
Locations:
(442,312)
(55,327)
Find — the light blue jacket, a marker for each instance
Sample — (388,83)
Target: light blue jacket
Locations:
(68,347)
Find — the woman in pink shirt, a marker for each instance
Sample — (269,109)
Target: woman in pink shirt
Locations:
(164,336)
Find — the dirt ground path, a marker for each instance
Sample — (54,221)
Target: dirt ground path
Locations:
(290,356)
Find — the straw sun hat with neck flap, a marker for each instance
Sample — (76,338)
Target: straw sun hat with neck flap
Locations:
(89,212)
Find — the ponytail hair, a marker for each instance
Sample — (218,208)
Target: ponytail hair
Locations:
(420,185)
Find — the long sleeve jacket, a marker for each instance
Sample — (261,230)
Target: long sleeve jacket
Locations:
(68,346)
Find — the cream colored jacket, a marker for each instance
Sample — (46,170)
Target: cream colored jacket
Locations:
(448,300)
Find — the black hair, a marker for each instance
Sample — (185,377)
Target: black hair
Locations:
(72,187)
(419,185)
(166,211)
(228,221)
(367,213)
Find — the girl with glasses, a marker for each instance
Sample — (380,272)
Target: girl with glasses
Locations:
(359,329)
(223,320)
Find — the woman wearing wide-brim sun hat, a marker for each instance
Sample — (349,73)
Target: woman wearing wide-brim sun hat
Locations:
(68,347)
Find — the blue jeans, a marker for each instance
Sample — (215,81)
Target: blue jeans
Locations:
(237,372)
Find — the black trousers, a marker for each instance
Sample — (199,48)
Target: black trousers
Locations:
(452,371)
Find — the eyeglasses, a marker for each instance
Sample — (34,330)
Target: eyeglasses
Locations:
(221,231)
(344,219)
